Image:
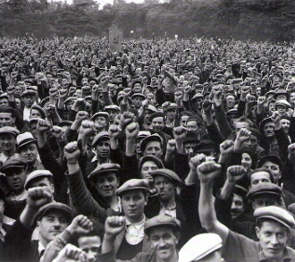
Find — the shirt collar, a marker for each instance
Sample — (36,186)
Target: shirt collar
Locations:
(140,223)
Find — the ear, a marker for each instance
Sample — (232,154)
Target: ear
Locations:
(38,223)
(257,229)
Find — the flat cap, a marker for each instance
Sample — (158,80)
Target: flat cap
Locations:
(277,214)
(24,139)
(138,95)
(265,188)
(13,162)
(151,158)
(40,110)
(197,96)
(199,246)
(282,102)
(161,220)
(9,130)
(172,176)
(143,134)
(104,168)
(36,174)
(30,91)
(272,158)
(112,107)
(68,211)
(103,114)
(100,136)
(148,139)
(133,184)
(151,108)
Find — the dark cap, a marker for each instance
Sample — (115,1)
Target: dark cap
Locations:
(145,141)
(277,214)
(35,175)
(9,130)
(172,176)
(151,158)
(12,163)
(40,110)
(133,184)
(100,136)
(103,114)
(103,169)
(162,220)
(272,158)
(68,211)
(265,188)
(24,139)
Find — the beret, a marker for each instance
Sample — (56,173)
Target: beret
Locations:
(277,214)
(13,162)
(24,139)
(264,189)
(36,174)
(103,114)
(199,246)
(100,136)
(161,220)
(68,211)
(133,184)
(9,130)
(104,168)
(168,174)
(148,139)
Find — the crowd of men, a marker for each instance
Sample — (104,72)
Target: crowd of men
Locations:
(162,151)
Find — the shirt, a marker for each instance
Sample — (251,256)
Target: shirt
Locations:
(242,249)
(135,232)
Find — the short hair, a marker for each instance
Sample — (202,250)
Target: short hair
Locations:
(262,170)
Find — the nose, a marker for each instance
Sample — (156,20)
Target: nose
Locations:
(274,239)
(91,256)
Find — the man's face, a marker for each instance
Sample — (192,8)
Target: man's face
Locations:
(133,203)
(52,224)
(285,125)
(147,167)
(274,169)
(269,129)
(153,148)
(35,114)
(183,120)
(192,126)
(7,142)
(4,102)
(100,121)
(281,109)
(29,100)
(137,101)
(230,102)
(158,123)
(292,98)
(6,119)
(16,178)
(106,185)
(103,148)
(29,152)
(42,182)
(264,201)
(246,161)
(237,206)
(240,125)
(189,149)
(137,88)
(165,188)
(273,239)
(164,241)
(91,246)
(259,177)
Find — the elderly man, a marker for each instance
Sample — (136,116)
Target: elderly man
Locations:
(161,235)
(273,225)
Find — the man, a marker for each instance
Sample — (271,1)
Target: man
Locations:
(272,227)
(7,116)
(8,136)
(130,241)
(101,121)
(29,97)
(161,234)
(152,145)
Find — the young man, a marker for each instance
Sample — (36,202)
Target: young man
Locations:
(161,234)
(272,227)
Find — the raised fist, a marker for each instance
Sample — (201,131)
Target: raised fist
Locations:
(80,225)
(226,147)
(114,131)
(235,173)
(72,152)
(126,118)
(196,161)
(87,127)
(291,152)
(81,115)
(261,100)
(71,253)
(250,98)
(114,225)
(132,130)
(179,133)
(39,196)
(43,126)
(217,98)
(208,171)
(171,146)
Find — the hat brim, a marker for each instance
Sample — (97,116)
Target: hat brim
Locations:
(121,192)
(26,143)
(275,219)
(95,174)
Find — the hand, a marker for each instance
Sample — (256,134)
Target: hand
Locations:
(43,126)
(250,98)
(244,91)
(291,152)
(72,152)
(187,89)
(208,171)
(71,253)
(87,128)
(81,115)
(261,100)
(114,131)
(39,196)
(226,147)
(114,225)
(217,98)
(242,136)
(63,93)
(171,146)
(196,161)
(57,132)
(275,117)
(80,225)
(126,118)
(179,133)
(207,106)
(132,130)
(50,109)
(235,173)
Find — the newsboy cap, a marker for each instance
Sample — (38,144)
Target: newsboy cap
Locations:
(9,130)
(100,136)
(36,174)
(277,214)
(264,189)
(133,184)
(103,169)
(24,139)
(161,220)
(172,176)
(12,163)
(199,246)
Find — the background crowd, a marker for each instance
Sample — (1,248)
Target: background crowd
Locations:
(118,155)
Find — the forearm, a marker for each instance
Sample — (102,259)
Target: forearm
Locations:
(226,190)
(130,147)
(107,244)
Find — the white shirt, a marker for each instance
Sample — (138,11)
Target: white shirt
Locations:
(135,232)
